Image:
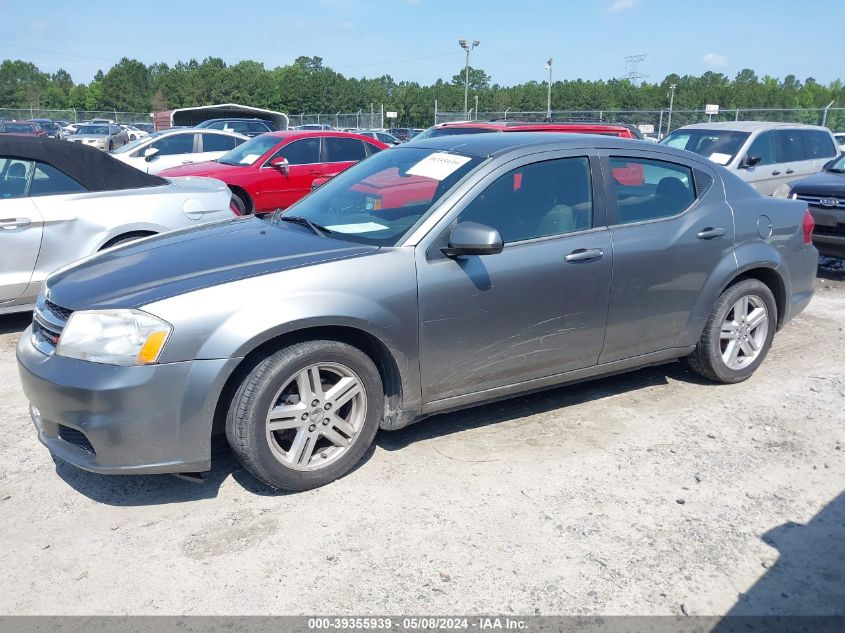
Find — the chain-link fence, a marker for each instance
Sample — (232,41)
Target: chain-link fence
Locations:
(360,120)
(660,122)
(74,116)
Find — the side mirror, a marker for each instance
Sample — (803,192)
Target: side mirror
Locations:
(149,153)
(281,163)
(471,238)
(750,161)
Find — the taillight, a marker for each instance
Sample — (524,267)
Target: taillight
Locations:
(808,225)
(234,207)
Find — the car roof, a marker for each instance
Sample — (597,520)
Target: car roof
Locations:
(288,134)
(91,168)
(495,144)
(748,126)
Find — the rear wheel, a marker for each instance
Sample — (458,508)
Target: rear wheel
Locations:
(738,334)
(306,415)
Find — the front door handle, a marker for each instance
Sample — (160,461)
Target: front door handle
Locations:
(790,171)
(584,255)
(775,173)
(709,233)
(14,223)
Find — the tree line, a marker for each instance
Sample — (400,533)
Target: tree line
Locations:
(308,86)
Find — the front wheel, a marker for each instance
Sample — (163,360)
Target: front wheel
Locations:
(738,334)
(306,415)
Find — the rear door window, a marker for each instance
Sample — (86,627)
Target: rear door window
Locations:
(49,181)
(14,176)
(666,189)
(818,144)
(789,146)
(344,150)
(219,142)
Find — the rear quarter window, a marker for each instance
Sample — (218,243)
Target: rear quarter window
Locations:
(818,144)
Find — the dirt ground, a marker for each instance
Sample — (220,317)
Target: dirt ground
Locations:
(648,493)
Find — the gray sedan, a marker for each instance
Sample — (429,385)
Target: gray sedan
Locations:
(104,136)
(430,277)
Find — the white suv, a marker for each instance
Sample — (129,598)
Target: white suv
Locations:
(765,155)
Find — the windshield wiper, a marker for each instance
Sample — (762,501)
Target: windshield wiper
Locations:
(298,219)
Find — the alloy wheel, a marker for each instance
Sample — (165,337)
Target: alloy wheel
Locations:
(744,331)
(316,416)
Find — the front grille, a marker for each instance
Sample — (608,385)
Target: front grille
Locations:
(77,438)
(834,231)
(48,322)
(816,201)
(59,311)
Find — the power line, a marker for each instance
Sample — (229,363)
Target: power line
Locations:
(42,50)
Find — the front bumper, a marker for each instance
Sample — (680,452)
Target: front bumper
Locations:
(123,420)
(829,234)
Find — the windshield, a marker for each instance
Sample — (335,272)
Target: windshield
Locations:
(250,151)
(93,129)
(720,146)
(838,165)
(379,200)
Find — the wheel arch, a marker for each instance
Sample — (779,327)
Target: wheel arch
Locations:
(771,277)
(244,195)
(376,349)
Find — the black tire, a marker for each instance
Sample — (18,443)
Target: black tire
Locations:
(707,359)
(242,202)
(123,239)
(111,145)
(247,415)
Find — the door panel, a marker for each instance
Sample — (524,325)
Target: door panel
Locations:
(660,263)
(500,319)
(20,242)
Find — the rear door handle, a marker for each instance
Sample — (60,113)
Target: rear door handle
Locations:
(775,173)
(584,255)
(709,233)
(790,171)
(15,223)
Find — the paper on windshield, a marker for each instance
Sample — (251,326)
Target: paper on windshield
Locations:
(249,159)
(363,227)
(720,159)
(438,165)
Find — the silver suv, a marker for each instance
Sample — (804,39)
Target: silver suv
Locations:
(765,155)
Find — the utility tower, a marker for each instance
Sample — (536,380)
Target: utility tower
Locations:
(632,65)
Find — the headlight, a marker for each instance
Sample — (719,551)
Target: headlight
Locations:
(114,337)
(782,191)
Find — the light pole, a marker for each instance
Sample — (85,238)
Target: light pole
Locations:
(468,48)
(549,97)
(476,107)
(671,103)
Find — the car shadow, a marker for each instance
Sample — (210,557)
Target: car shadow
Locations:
(536,403)
(141,490)
(15,323)
(831,268)
(808,578)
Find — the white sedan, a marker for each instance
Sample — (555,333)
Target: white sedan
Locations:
(61,201)
(175,147)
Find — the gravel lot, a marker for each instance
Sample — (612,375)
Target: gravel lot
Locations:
(648,493)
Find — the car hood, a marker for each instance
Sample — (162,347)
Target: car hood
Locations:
(89,137)
(183,261)
(821,184)
(206,168)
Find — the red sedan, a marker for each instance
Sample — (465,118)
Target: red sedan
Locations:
(274,170)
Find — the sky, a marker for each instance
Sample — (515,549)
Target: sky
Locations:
(417,40)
